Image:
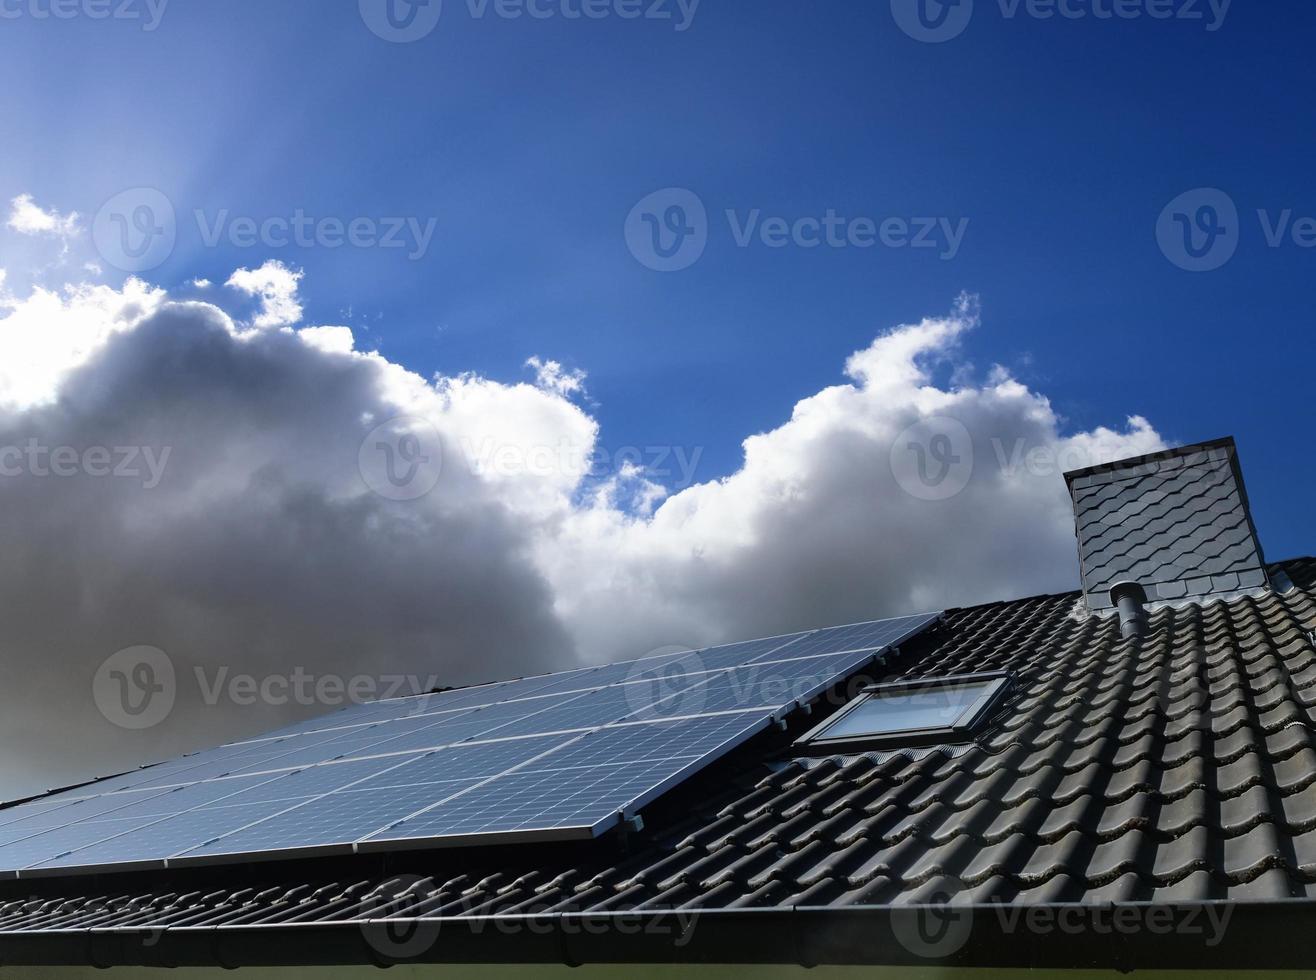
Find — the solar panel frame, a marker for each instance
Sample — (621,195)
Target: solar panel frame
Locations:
(877,634)
(385,840)
(812,660)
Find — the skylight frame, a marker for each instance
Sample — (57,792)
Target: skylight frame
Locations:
(962,729)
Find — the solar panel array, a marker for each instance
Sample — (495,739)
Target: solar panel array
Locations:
(561,756)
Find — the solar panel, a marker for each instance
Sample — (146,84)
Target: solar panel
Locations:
(566,755)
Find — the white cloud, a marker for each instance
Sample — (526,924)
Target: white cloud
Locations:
(331,340)
(551,376)
(817,525)
(264,549)
(275,285)
(27,218)
(47,336)
(201,283)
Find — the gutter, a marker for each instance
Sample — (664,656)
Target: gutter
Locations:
(1120,936)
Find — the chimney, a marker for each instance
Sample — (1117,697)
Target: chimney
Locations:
(1169,527)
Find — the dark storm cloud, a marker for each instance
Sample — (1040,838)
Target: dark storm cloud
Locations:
(258,551)
(254,543)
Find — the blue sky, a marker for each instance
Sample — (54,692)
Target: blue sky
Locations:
(1059,141)
(1127,196)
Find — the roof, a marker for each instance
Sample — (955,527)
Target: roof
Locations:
(1172,769)
(1176,522)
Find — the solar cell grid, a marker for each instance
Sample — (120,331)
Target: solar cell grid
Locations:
(212,764)
(511,690)
(400,735)
(775,683)
(735,654)
(336,819)
(576,680)
(28,811)
(142,806)
(595,708)
(861,636)
(311,781)
(544,800)
(169,835)
(50,845)
(345,746)
(480,761)
(667,665)
(342,817)
(349,716)
(653,740)
(171,773)
(81,810)
(423,739)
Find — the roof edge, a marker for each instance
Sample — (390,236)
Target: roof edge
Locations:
(1111,935)
(1224,442)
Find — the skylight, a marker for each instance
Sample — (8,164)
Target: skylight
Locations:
(925,711)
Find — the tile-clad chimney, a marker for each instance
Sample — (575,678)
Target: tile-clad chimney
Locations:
(1175,523)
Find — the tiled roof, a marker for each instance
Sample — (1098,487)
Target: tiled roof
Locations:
(1177,523)
(1177,766)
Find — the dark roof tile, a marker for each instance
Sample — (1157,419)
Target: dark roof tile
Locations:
(1175,766)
